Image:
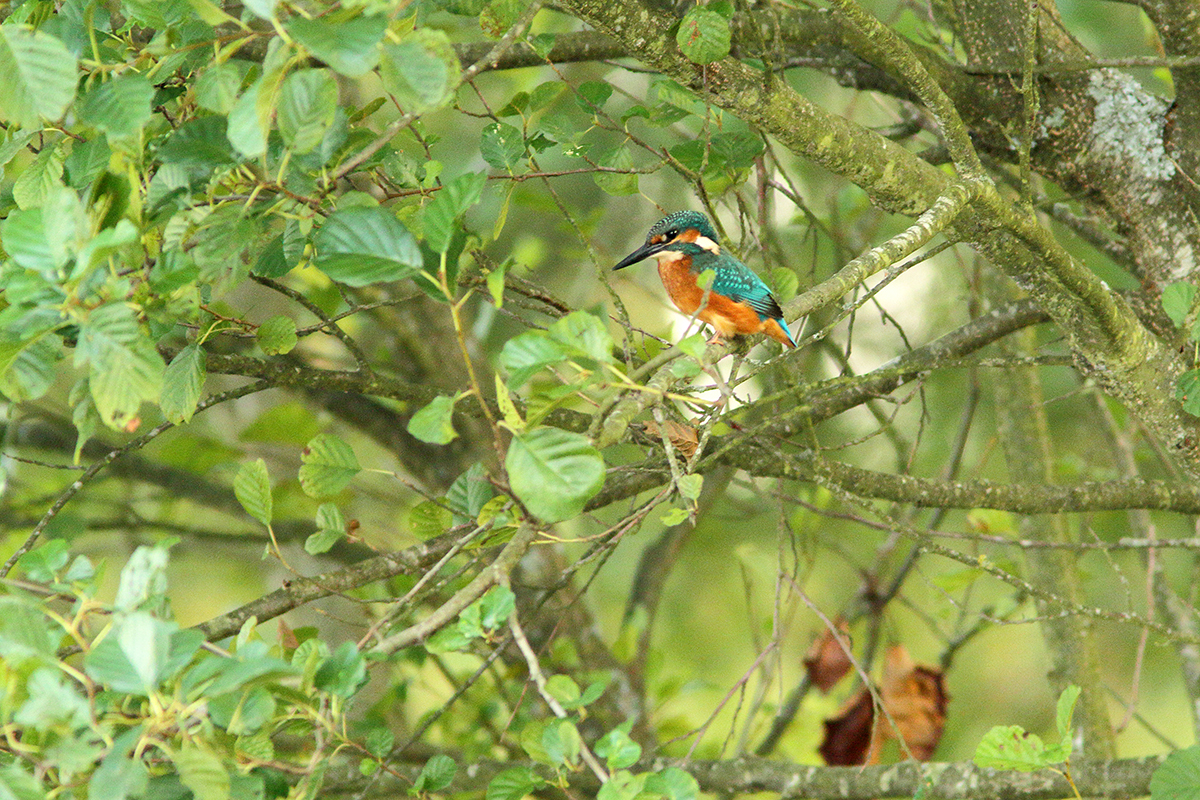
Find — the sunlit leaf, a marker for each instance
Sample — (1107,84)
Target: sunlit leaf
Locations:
(39,76)
(277,335)
(421,71)
(361,246)
(119,107)
(201,771)
(554,472)
(183,383)
(513,784)
(252,486)
(329,465)
(350,47)
(434,422)
(307,102)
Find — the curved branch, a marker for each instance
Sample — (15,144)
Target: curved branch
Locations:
(1128,777)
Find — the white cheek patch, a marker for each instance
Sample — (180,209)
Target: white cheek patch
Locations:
(708,244)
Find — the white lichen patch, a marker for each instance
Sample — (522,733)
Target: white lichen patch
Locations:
(1128,124)
(1052,121)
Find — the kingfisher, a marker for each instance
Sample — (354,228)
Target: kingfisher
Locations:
(738,302)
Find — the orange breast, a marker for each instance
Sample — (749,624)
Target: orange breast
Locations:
(728,317)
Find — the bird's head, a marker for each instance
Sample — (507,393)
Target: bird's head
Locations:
(681,233)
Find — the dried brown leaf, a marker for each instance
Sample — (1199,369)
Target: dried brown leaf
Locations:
(849,733)
(827,661)
(683,438)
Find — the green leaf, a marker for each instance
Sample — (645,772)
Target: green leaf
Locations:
(623,785)
(350,48)
(263,9)
(331,529)
(42,563)
(690,485)
(737,149)
(1010,747)
(217,87)
(450,639)
(379,743)
(563,689)
(618,750)
(343,673)
(43,239)
(592,96)
(436,775)
(277,335)
(617,183)
(39,76)
(451,202)
(554,472)
(1064,712)
(122,378)
(499,15)
(132,656)
(513,784)
(27,368)
(502,145)
(40,178)
(183,382)
(87,161)
(585,336)
(422,71)
(120,107)
(201,771)
(143,580)
(17,784)
(673,516)
(307,102)
(469,493)
(428,519)
(433,423)
(252,486)
(1178,777)
(528,354)
(703,35)
(120,775)
(562,742)
(594,690)
(496,606)
(156,14)
(247,127)
(1188,391)
(329,465)
(1177,299)
(361,246)
(512,417)
(242,713)
(199,143)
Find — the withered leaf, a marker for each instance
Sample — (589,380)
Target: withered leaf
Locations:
(915,698)
(682,437)
(849,733)
(827,661)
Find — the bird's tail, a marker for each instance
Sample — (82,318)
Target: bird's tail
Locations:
(778,330)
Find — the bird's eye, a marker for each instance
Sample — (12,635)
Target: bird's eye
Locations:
(671,234)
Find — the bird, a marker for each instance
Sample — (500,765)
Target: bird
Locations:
(737,302)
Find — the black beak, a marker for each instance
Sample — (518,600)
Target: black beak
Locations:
(645,251)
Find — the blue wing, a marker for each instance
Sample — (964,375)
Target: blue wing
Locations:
(739,283)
